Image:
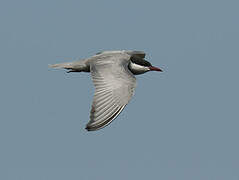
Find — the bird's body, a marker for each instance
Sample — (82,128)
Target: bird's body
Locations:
(112,73)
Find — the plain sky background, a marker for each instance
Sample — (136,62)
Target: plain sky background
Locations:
(181,124)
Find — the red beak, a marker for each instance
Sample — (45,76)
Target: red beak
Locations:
(152,68)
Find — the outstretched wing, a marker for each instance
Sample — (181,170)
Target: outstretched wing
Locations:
(114,87)
(140,54)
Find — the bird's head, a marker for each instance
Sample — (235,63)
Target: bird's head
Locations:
(139,65)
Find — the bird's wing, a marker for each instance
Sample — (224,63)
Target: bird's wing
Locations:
(140,54)
(114,87)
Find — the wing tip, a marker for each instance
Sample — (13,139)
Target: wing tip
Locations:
(88,128)
(93,127)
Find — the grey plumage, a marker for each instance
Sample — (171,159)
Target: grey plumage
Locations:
(114,81)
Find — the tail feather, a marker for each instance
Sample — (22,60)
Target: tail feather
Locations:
(62,65)
(75,66)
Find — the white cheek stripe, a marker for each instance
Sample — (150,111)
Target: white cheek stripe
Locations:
(138,67)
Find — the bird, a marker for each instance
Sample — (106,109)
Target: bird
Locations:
(113,75)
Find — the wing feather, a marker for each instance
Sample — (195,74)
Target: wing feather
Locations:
(114,87)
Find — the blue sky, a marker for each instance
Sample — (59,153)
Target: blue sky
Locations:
(181,124)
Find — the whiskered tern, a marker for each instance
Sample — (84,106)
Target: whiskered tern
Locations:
(112,73)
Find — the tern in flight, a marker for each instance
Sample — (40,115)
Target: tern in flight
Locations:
(112,73)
